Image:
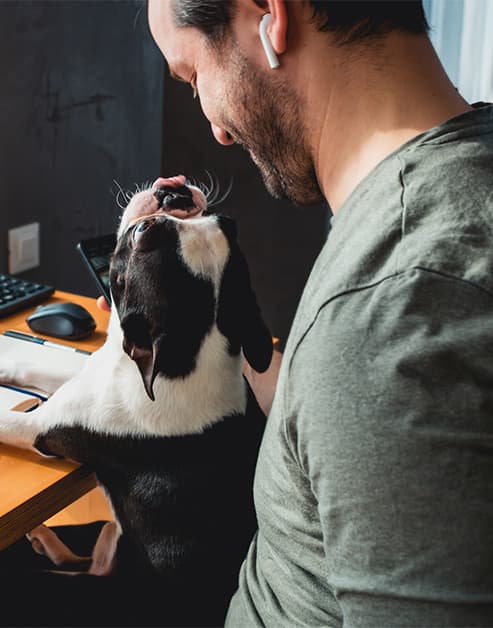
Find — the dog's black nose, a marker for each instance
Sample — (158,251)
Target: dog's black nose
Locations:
(174,197)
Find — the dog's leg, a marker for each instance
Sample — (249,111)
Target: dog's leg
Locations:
(88,401)
(31,375)
(83,399)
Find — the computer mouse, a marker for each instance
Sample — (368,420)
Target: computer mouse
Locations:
(63,320)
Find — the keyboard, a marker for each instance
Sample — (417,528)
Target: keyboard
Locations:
(16,294)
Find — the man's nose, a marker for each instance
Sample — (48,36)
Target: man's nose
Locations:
(221,135)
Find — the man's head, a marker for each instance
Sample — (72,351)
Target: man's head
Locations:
(350,20)
(215,46)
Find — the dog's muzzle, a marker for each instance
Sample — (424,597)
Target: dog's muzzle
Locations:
(180,197)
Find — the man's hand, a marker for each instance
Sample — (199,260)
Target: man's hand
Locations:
(102,304)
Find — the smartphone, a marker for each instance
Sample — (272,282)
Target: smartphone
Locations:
(96,253)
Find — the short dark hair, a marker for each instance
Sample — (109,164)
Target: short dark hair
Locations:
(349,20)
(211,17)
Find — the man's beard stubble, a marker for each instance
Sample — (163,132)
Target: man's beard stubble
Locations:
(269,127)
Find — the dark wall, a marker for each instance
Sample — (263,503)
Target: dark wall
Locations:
(80,107)
(279,239)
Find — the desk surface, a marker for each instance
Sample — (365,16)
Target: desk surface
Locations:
(33,488)
(18,321)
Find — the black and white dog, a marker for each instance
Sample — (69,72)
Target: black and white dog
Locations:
(162,412)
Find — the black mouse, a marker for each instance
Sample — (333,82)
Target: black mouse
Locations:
(63,320)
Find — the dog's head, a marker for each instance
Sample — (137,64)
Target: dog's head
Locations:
(172,280)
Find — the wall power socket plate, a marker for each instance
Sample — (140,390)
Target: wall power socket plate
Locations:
(23,248)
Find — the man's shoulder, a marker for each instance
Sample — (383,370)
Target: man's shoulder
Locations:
(429,205)
(447,206)
(450,167)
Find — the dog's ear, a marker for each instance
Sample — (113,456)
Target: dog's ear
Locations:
(138,345)
(239,317)
(256,339)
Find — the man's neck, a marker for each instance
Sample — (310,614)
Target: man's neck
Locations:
(372,107)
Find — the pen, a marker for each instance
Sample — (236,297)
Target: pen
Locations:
(30,393)
(19,335)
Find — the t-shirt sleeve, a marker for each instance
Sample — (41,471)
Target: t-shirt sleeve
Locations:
(391,420)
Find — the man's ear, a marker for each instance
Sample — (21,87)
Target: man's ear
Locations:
(277,30)
(251,13)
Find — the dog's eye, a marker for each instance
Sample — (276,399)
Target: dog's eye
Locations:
(141,227)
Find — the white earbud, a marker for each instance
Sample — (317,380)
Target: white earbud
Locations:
(269,50)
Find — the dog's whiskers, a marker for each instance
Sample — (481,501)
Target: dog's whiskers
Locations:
(211,190)
(143,186)
(124,197)
(121,193)
(216,198)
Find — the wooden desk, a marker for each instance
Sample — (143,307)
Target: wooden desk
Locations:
(33,488)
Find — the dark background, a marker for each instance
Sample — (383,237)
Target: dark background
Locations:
(86,106)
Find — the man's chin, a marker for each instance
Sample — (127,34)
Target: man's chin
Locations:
(279,187)
(271,179)
(274,186)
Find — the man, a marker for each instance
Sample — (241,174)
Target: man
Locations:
(375,479)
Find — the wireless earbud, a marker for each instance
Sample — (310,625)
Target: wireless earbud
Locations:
(269,50)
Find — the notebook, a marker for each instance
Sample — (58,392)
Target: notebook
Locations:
(47,357)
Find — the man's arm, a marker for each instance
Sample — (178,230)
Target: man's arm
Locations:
(264,384)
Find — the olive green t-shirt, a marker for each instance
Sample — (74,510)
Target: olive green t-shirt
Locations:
(374,484)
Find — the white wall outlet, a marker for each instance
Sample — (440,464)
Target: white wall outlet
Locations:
(23,248)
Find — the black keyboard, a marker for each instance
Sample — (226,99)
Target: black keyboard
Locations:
(16,294)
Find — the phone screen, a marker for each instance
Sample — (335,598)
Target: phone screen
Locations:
(96,253)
